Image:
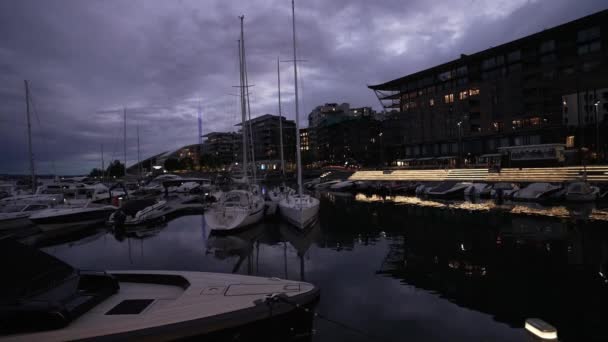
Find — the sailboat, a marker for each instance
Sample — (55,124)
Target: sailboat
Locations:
(298,209)
(275,195)
(238,208)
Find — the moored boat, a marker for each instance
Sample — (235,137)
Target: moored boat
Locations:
(60,218)
(52,301)
(581,192)
(536,192)
(236,209)
(448,190)
(18,216)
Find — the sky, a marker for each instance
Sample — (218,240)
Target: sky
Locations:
(162,60)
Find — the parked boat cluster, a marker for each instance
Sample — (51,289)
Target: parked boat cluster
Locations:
(580,191)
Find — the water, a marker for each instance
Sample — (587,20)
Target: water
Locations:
(396,270)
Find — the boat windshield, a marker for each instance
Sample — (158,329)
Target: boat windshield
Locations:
(11,208)
(35,272)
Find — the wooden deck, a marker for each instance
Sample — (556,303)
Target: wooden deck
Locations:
(595,174)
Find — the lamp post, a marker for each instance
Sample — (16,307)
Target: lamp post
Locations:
(459,124)
(381,149)
(597,130)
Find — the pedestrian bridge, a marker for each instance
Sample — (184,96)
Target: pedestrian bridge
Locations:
(595,174)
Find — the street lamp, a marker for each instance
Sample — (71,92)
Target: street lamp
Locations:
(597,130)
(459,124)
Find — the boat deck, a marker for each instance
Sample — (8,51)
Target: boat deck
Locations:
(201,302)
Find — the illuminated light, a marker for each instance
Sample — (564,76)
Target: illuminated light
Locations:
(540,328)
(462,247)
(157,167)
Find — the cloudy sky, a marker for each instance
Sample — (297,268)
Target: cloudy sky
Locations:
(86,60)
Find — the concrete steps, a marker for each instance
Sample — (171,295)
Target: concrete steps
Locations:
(595,174)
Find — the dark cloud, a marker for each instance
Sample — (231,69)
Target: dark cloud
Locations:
(159,59)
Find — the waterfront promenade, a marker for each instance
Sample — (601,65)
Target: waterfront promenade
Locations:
(595,174)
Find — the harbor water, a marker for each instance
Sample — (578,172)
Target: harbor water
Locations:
(395,269)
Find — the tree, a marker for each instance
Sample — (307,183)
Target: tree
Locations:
(186,163)
(172,164)
(96,173)
(116,169)
(210,161)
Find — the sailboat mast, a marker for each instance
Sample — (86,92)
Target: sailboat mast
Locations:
(124,111)
(280,119)
(243,114)
(29,135)
(248,107)
(102,163)
(138,159)
(295,78)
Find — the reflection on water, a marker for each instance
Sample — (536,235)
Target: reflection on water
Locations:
(417,271)
(580,211)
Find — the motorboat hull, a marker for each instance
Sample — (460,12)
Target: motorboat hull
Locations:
(70,219)
(453,193)
(178,305)
(13,223)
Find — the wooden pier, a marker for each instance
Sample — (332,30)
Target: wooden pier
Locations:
(595,174)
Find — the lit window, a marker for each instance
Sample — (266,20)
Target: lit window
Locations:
(473,92)
(463,95)
(431,102)
(449,98)
(570,141)
(497,126)
(535,121)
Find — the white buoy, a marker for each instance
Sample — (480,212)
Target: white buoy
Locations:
(540,330)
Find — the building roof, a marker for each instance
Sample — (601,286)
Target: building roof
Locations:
(266,117)
(395,84)
(211,134)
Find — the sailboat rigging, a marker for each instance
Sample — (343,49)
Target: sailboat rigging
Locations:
(300,210)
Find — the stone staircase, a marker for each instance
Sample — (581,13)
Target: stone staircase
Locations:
(595,174)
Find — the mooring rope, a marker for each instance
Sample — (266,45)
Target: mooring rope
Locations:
(271,299)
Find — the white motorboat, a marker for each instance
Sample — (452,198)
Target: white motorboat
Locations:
(236,209)
(300,210)
(52,301)
(448,190)
(18,216)
(536,192)
(139,212)
(51,199)
(7,190)
(478,190)
(582,192)
(70,217)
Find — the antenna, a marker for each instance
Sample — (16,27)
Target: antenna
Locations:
(29,135)
(125,138)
